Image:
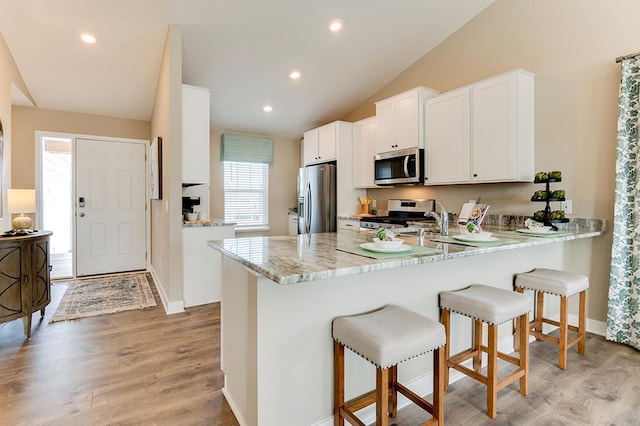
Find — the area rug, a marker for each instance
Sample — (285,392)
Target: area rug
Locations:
(90,297)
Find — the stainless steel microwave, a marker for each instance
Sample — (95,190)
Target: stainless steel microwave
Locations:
(404,166)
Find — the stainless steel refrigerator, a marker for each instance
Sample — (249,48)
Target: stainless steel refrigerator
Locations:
(317,199)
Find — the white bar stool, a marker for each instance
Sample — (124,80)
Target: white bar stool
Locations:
(494,306)
(562,284)
(387,337)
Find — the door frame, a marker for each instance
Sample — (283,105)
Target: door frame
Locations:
(39,134)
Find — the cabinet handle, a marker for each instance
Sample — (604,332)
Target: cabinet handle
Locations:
(475,175)
(26,278)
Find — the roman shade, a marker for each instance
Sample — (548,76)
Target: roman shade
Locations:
(246,149)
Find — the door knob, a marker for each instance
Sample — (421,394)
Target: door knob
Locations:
(81,214)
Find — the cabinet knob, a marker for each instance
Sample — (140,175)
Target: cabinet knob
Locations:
(475,175)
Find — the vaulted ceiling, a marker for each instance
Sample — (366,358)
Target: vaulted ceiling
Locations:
(242,50)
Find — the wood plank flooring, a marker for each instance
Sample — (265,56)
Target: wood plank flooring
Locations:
(131,368)
(147,368)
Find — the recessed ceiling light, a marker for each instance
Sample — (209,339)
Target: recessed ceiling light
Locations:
(267,108)
(335,25)
(88,38)
(295,75)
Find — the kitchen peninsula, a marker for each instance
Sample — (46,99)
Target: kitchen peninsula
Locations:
(280,294)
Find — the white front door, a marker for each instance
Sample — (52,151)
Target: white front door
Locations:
(110,207)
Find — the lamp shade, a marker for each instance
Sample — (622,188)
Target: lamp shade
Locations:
(21,200)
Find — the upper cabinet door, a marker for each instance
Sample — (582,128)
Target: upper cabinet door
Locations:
(386,116)
(407,121)
(401,120)
(448,138)
(364,149)
(502,131)
(195,134)
(327,137)
(310,147)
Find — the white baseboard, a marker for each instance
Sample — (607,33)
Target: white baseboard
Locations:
(593,326)
(235,409)
(169,307)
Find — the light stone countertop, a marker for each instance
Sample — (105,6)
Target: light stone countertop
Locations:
(294,259)
(203,223)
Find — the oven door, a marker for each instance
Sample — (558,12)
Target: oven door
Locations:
(399,167)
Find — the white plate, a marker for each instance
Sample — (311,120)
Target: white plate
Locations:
(374,247)
(536,231)
(474,240)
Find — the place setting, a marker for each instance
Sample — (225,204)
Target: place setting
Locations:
(385,244)
(471,234)
(533,228)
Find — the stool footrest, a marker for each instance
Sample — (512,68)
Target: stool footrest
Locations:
(416,399)
(350,417)
(361,401)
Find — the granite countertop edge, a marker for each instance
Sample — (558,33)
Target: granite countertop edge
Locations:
(207,223)
(285,267)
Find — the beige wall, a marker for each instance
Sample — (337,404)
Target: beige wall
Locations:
(571,46)
(26,121)
(283,175)
(166,214)
(9,74)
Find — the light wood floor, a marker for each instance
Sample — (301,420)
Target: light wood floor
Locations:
(146,368)
(130,368)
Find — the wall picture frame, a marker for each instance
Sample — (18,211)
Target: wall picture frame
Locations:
(155,169)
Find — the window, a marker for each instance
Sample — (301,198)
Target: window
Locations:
(246,194)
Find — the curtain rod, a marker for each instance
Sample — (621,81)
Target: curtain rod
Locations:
(622,58)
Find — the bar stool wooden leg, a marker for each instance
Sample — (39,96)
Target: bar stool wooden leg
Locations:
(492,370)
(582,323)
(382,397)
(517,333)
(522,325)
(438,385)
(537,324)
(445,319)
(564,329)
(393,391)
(477,342)
(338,383)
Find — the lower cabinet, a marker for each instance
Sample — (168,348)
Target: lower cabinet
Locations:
(201,263)
(293,223)
(25,285)
(351,224)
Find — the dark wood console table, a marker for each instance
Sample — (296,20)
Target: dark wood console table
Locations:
(25,285)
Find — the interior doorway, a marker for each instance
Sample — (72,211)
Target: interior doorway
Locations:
(56,198)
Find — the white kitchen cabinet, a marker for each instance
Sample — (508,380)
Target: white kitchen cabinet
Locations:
(319,144)
(202,265)
(335,143)
(349,224)
(401,120)
(365,134)
(481,133)
(293,223)
(503,128)
(195,134)
(448,138)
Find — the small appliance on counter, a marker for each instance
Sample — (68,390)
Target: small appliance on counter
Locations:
(188,212)
(401,212)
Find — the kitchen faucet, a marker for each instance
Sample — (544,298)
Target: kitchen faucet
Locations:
(442,220)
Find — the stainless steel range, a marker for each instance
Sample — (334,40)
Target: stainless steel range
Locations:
(401,212)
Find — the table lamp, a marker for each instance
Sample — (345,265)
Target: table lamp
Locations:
(21,201)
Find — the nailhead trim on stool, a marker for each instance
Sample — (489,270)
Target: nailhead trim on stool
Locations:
(494,306)
(563,284)
(387,337)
